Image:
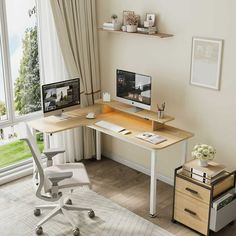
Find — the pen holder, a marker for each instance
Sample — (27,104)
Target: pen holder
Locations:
(160,114)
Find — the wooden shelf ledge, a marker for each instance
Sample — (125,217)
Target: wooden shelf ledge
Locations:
(160,35)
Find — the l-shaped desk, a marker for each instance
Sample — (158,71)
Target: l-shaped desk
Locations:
(119,114)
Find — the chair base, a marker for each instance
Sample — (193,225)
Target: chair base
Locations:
(62,207)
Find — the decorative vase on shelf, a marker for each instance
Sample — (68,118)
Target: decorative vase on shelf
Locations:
(204,153)
(203,163)
(132,22)
(131,28)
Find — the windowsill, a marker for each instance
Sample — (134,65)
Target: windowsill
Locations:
(16,175)
(18,171)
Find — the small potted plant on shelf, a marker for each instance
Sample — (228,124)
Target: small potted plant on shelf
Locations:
(204,153)
(114,18)
(132,22)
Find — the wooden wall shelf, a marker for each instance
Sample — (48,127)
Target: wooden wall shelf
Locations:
(160,35)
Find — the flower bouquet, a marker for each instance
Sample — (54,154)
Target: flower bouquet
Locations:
(204,153)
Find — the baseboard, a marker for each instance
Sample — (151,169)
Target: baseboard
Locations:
(138,167)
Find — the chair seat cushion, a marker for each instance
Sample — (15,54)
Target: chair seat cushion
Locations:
(79,177)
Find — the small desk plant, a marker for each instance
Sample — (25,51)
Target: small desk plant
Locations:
(204,153)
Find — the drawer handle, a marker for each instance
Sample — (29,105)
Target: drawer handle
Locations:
(190,212)
(191,190)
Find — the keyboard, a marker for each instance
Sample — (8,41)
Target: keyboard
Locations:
(109,126)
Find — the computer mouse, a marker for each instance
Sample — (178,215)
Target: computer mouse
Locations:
(91,115)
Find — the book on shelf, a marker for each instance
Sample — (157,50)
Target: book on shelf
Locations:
(111,26)
(149,30)
(151,138)
(209,171)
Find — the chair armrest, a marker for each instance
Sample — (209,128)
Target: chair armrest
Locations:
(50,153)
(57,177)
(53,151)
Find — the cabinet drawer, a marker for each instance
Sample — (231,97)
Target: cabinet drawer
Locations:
(193,190)
(191,212)
(223,185)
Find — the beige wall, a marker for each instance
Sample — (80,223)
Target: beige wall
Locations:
(210,114)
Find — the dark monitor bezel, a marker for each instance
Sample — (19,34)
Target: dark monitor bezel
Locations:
(135,74)
(56,83)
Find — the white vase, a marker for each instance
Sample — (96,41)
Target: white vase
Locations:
(114,21)
(203,163)
(132,28)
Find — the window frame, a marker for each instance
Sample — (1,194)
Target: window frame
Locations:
(25,167)
(12,119)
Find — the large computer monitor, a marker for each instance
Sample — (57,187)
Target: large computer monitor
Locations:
(60,96)
(134,89)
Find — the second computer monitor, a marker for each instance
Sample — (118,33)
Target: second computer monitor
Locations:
(134,89)
(60,96)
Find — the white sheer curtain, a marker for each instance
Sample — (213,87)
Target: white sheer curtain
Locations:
(53,69)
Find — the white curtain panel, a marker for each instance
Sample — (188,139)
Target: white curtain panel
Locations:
(53,69)
(76,27)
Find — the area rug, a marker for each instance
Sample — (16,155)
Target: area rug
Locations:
(17,202)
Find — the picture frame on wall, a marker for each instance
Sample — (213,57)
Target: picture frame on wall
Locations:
(206,62)
(150,17)
(125,14)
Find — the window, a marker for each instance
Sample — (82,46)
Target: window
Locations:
(23,50)
(19,77)
(3,108)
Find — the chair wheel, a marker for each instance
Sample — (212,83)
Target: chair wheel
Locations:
(37,212)
(91,214)
(69,202)
(39,230)
(76,232)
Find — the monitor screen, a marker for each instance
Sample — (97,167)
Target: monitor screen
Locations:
(134,87)
(60,95)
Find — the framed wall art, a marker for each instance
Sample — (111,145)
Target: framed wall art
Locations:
(206,62)
(125,14)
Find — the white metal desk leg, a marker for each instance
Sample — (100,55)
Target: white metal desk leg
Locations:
(98,145)
(153,184)
(185,151)
(47,141)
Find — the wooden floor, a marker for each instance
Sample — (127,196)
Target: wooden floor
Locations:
(130,189)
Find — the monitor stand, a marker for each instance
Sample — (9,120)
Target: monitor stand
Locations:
(134,109)
(62,116)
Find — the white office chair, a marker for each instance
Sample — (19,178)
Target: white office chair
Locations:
(52,179)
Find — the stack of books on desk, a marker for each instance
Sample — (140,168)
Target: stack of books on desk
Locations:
(207,174)
(111,26)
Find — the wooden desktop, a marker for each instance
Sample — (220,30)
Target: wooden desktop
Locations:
(119,114)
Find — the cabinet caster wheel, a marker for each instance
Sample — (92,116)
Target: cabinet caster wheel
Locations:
(232,222)
(76,232)
(152,215)
(91,214)
(69,202)
(37,212)
(39,230)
